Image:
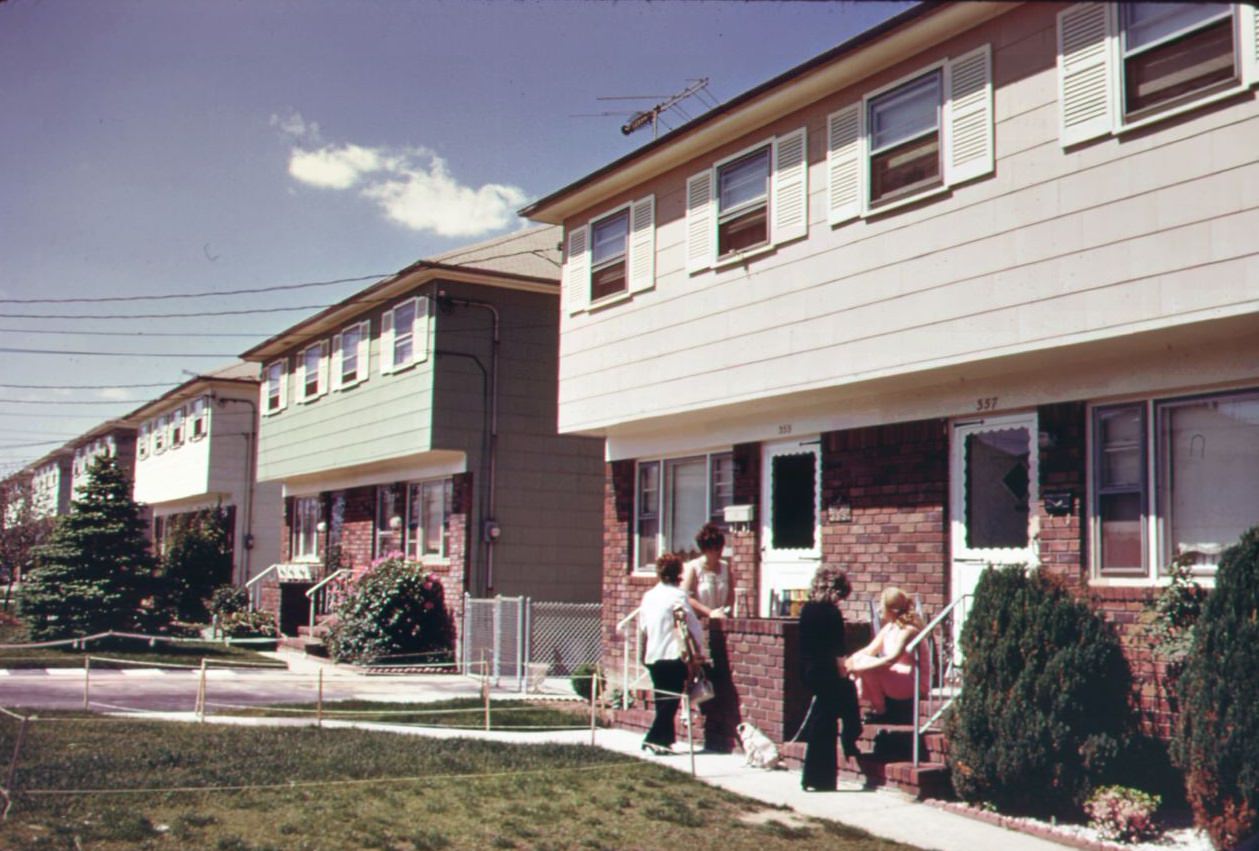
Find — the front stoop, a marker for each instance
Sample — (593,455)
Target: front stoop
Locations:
(887,760)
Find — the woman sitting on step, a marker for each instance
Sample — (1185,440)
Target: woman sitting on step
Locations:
(883,669)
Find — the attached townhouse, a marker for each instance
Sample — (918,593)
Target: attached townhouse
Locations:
(50,484)
(196,448)
(111,439)
(978,286)
(418,417)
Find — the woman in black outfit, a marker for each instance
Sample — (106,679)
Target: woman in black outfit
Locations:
(835,696)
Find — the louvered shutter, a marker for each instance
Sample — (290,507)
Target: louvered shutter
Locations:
(284,386)
(641,257)
(845,164)
(323,368)
(335,361)
(263,387)
(364,351)
(1248,38)
(790,205)
(299,372)
(1086,72)
(969,131)
(420,329)
(576,274)
(386,342)
(701,236)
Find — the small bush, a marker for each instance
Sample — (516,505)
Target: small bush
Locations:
(1045,709)
(397,608)
(247,624)
(1217,737)
(1122,813)
(583,677)
(228,600)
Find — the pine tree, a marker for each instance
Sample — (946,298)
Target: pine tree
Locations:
(1217,740)
(96,569)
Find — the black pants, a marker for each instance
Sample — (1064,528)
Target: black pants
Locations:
(835,700)
(667,675)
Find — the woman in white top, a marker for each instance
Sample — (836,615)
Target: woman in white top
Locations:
(706,579)
(662,650)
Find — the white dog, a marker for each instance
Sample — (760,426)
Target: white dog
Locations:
(758,750)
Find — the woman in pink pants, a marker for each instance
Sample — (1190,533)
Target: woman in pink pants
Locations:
(883,669)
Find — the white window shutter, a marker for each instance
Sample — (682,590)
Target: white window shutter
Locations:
(284,387)
(701,222)
(419,330)
(576,274)
(323,368)
(299,372)
(1086,72)
(386,342)
(789,209)
(969,132)
(335,368)
(641,257)
(1248,38)
(364,351)
(264,391)
(845,164)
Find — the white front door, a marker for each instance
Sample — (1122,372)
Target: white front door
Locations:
(993,474)
(791,527)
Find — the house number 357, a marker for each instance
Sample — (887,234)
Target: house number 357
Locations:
(986,403)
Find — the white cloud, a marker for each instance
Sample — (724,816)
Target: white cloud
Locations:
(113,393)
(412,187)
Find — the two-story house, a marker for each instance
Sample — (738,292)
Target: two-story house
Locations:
(418,417)
(978,286)
(111,439)
(50,484)
(196,447)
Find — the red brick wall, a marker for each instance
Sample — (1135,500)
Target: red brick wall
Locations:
(762,657)
(622,590)
(1062,468)
(358,527)
(885,517)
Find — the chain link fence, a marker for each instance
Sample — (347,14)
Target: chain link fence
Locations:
(524,640)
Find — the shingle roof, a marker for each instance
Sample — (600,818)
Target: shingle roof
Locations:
(533,252)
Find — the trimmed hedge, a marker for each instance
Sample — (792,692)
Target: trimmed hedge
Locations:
(1217,737)
(1045,709)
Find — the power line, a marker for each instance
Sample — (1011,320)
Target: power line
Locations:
(73,401)
(109,354)
(28,445)
(206,294)
(84,386)
(184,334)
(163,315)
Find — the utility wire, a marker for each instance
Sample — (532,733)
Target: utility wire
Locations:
(84,386)
(74,401)
(110,354)
(30,445)
(163,315)
(184,334)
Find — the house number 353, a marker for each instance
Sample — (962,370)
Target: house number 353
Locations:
(986,403)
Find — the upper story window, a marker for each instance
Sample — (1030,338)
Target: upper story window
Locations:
(199,418)
(917,136)
(1123,65)
(142,440)
(609,238)
(274,387)
(404,335)
(177,427)
(743,203)
(905,139)
(611,257)
(349,355)
(161,429)
(312,379)
(1174,50)
(1203,453)
(674,497)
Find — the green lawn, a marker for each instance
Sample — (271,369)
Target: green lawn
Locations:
(127,649)
(466,712)
(352,789)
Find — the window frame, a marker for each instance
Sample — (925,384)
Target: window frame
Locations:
(419,334)
(177,431)
(624,213)
(300,536)
(415,542)
(747,208)
(161,426)
(320,383)
(362,355)
(142,439)
(275,386)
(661,512)
(922,188)
(1130,116)
(1100,491)
(199,417)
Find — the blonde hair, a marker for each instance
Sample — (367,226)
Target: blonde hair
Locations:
(900,607)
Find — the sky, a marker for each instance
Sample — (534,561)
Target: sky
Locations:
(200,147)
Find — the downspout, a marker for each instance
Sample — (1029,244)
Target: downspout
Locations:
(489,523)
(247,545)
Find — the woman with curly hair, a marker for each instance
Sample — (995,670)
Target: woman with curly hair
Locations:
(663,651)
(883,668)
(706,579)
(834,697)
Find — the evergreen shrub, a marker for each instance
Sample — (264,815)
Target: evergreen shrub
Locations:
(1217,735)
(198,559)
(1045,709)
(397,608)
(95,574)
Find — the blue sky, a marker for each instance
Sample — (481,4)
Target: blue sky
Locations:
(155,148)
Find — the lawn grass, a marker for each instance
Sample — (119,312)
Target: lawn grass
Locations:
(459,712)
(352,789)
(123,649)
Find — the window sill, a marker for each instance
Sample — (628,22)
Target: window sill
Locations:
(739,258)
(1172,112)
(608,301)
(879,209)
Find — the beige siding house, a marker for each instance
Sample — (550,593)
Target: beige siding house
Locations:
(979,286)
(196,449)
(418,416)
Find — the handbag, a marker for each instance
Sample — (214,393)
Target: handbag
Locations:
(700,688)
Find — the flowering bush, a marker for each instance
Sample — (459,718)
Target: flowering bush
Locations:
(1122,813)
(247,624)
(395,608)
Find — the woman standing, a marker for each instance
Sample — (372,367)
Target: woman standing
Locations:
(706,579)
(883,668)
(834,697)
(662,652)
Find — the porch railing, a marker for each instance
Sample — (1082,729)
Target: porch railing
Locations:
(640,672)
(319,593)
(252,587)
(943,667)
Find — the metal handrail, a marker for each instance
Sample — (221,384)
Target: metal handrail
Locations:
(626,685)
(249,586)
(948,673)
(318,587)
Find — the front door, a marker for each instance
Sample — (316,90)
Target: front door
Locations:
(993,473)
(791,528)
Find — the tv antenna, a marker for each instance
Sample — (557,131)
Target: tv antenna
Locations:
(653,115)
